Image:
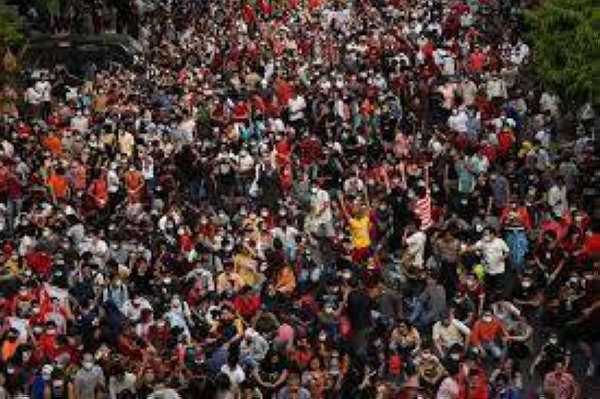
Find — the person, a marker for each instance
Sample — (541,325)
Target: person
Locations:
(293,389)
(272,373)
(121,383)
(449,333)
(253,348)
(358,309)
(430,305)
(494,252)
(89,378)
(489,335)
(449,388)
(559,383)
(406,339)
(320,220)
(415,240)
(234,371)
(359,223)
(322,188)
(162,391)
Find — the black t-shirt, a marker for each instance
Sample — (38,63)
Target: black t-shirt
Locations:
(481,196)
(272,368)
(397,202)
(144,391)
(142,283)
(359,310)
(463,307)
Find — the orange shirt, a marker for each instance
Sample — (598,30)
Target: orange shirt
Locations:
(59,186)
(53,144)
(9,349)
(134,182)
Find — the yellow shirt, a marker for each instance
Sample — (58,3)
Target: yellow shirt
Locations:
(246,267)
(359,231)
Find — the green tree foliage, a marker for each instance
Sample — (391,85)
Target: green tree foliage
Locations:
(566,41)
(10,26)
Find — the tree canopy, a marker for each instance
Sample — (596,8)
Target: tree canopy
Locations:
(10,26)
(566,41)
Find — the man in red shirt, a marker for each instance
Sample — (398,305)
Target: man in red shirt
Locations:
(489,335)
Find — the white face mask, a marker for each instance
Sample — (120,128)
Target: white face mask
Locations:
(88,365)
(487,318)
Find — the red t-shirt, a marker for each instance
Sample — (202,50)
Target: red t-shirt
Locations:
(247,306)
(591,246)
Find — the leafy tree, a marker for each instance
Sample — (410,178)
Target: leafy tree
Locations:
(10,26)
(10,34)
(566,42)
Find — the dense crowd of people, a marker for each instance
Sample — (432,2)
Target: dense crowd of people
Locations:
(299,199)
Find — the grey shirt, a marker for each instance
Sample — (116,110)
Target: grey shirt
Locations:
(434,299)
(86,382)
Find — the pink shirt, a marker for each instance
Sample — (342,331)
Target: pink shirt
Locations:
(285,334)
(562,386)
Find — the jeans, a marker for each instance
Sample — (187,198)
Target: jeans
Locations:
(13,210)
(493,349)
(421,317)
(198,190)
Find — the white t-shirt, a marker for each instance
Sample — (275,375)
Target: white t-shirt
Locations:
(557,199)
(236,375)
(112,180)
(319,200)
(458,122)
(297,106)
(286,235)
(416,247)
(44,88)
(494,252)
(449,389)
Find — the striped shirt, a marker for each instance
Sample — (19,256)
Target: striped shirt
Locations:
(422,209)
